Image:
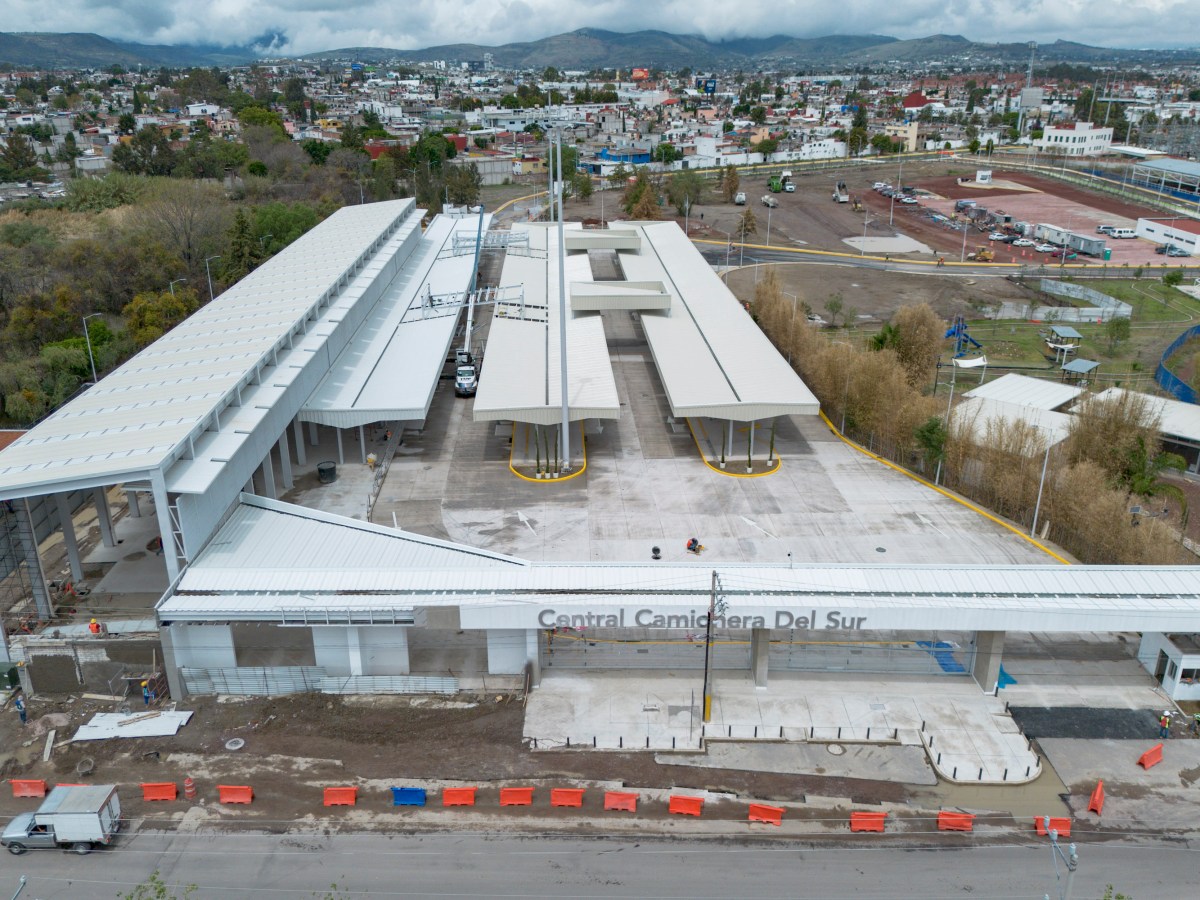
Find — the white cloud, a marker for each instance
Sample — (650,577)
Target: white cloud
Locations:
(312,25)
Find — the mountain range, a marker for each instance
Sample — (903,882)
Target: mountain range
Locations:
(589,48)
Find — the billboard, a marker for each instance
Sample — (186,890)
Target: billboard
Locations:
(1031,98)
(640,74)
(710,85)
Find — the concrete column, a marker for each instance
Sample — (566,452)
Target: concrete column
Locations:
(313,438)
(268,476)
(341,455)
(166,531)
(760,650)
(729,440)
(174,680)
(752,424)
(533,655)
(285,461)
(354,646)
(104,515)
(131,498)
(301,460)
(362,443)
(67,524)
(989,650)
(506,651)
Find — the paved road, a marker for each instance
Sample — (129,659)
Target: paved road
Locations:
(472,865)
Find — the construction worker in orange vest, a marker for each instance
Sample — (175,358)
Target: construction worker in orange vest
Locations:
(94,627)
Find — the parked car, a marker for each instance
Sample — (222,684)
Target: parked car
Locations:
(770,201)
(1061,253)
(1163,248)
(1105,229)
(1177,251)
(1045,248)
(908,200)
(1023,242)
(997,236)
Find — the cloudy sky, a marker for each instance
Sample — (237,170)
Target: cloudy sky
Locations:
(310,25)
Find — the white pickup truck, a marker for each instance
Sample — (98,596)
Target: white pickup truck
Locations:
(77,817)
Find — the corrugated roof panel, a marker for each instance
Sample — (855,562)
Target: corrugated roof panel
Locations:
(1026,391)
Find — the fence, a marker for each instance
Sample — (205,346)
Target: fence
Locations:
(1168,380)
(1101,307)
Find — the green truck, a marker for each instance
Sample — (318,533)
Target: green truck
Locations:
(775,185)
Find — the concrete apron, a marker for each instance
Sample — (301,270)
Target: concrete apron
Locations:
(967,736)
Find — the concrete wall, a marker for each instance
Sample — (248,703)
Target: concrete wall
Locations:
(384,649)
(1179,662)
(331,649)
(507,651)
(203,646)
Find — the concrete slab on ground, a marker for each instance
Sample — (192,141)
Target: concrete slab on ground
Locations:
(901,764)
(898,244)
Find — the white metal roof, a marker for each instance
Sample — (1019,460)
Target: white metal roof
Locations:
(266,545)
(712,357)
(142,415)
(977,413)
(521,375)
(390,369)
(1025,391)
(275,562)
(1177,419)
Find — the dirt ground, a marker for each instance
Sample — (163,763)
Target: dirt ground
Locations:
(296,745)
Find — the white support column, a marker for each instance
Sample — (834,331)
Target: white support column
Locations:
(249,488)
(354,646)
(67,524)
(285,461)
(268,476)
(752,426)
(533,655)
(341,454)
(506,648)
(362,443)
(166,531)
(104,516)
(42,600)
(298,428)
(729,440)
(313,437)
(131,498)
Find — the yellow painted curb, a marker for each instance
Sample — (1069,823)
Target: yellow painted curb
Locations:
(719,470)
(559,479)
(944,492)
(503,206)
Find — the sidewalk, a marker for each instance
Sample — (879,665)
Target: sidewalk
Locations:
(966,734)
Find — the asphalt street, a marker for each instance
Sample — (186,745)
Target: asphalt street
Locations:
(502,866)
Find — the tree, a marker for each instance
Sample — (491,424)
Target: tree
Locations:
(1173,279)
(189,218)
(747,224)
(619,176)
(641,197)
(730,183)
(18,159)
(147,153)
(665,153)
(463,183)
(931,438)
(684,189)
(1116,329)
(833,306)
(257,115)
(581,185)
(918,338)
(1144,469)
(240,256)
(150,315)
(856,141)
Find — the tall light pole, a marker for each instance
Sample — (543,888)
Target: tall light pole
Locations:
(87,337)
(899,181)
(715,607)
(769,208)
(171,286)
(687,208)
(1070,861)
(262,242)
(792,330)
(208,273)
(1037,507)
(966,227)
(866,221)
(562,317)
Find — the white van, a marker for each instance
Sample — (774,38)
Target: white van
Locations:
(1122,233)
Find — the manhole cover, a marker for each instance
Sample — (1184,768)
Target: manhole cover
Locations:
(235,744)
(85,766)
(836,749)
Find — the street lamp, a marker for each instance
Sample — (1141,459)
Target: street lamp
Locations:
(792,330)
(87,337)
(209,274)
(769,208)
(1070,861)
(171,286)
(262,242)
(866,222)
(1037,507)
(899,182)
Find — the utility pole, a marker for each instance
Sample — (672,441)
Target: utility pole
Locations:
(87,337)
(715,608)
(562,318)
(208,273)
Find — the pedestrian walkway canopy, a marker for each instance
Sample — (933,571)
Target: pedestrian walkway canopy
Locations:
(1022,390)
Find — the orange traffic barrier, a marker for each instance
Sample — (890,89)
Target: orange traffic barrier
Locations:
(189,788)
(28,787)
(458,796)
(235,793)
(620,801)
(1151,757)
(566,796)
(522,796)
(867,821)
(760,812)
(1096,804)
(341,796)
(685,806)
(167,790)
(1061,824)
(952,821)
